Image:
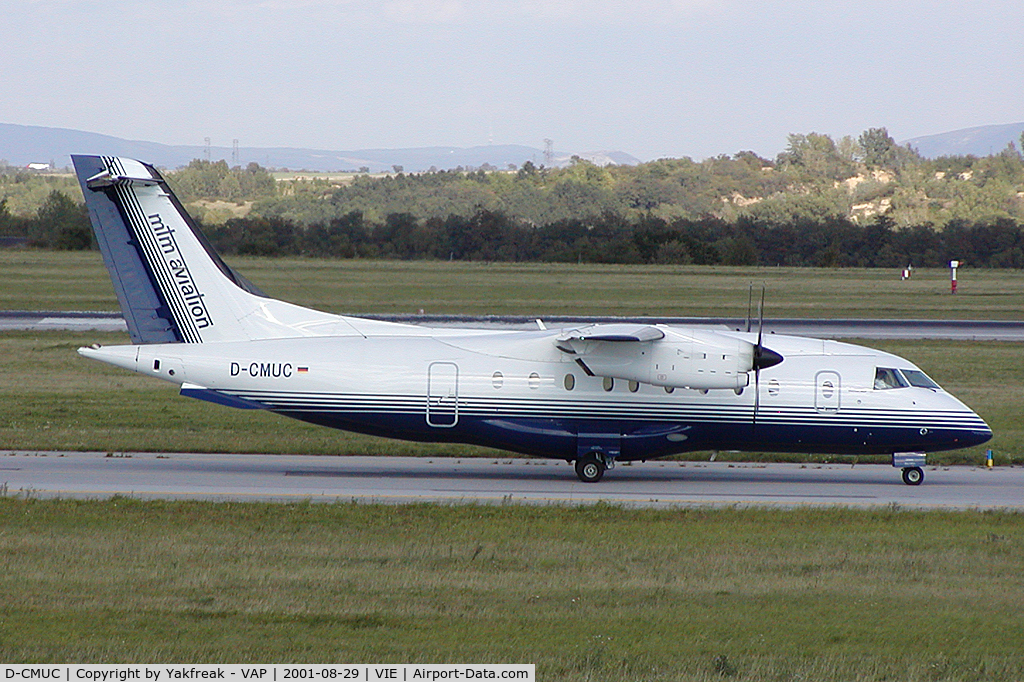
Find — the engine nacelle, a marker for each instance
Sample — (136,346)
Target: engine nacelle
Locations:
(697,359)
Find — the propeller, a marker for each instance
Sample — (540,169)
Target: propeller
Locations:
(763,357)
(750,301)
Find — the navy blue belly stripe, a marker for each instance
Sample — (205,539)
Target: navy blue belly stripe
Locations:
(613,410)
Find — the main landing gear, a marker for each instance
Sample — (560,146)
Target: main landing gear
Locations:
(590,467)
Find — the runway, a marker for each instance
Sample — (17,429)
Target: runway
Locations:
(954,330)
(289,478)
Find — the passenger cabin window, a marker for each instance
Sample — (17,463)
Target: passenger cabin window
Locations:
(886,378)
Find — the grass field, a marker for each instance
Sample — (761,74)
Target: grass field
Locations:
(37,280)
(591,593)
(597,593)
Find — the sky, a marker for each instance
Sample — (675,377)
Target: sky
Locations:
(653,78)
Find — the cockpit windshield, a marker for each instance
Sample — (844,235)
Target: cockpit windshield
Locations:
(918,378)
(886,378)
(890,377)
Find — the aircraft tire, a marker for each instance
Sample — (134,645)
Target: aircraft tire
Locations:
(590,468)
(913,475)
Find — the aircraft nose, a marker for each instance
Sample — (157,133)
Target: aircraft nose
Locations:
(980,435)
(953,424)
(974,431)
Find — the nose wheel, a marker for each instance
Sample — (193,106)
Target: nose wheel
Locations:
(911,463)
(913,475)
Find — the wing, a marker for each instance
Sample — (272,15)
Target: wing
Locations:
(612,333)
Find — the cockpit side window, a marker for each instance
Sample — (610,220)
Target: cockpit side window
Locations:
(886,378)
(918,378)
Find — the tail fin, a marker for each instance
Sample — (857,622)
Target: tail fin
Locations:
(171,284)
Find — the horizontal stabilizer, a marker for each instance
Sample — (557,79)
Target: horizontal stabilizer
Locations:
(106,178)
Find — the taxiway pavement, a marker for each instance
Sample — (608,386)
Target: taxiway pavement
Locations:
(222,477)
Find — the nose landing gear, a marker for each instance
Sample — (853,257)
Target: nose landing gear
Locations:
(913,475)
(912,464)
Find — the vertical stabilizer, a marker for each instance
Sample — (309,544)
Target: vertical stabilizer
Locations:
(171,284)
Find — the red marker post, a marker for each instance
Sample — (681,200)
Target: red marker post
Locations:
(953,265)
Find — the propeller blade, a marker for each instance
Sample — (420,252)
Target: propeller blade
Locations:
(763,358)
(760,316)
(757,397)
(750,302)
(758,351)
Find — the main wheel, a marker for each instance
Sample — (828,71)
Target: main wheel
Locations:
(589,468)
(913,475)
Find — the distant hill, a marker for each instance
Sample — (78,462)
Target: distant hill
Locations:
(21,145)
(980,141)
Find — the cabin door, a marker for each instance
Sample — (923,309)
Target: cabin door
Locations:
(443,394)
(826,391)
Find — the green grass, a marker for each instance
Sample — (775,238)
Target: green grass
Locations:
(38,280)
(595,593)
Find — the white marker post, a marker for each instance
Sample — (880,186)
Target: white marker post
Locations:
(953,265)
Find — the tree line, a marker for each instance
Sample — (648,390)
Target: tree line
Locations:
(815,176)
(487,235)
(59,223)
(493,236)
(862,201)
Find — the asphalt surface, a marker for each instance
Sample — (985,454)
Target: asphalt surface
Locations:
(485,481)
(963,330)
(43,320)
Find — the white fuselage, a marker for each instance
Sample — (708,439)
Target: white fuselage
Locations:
(517,390)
